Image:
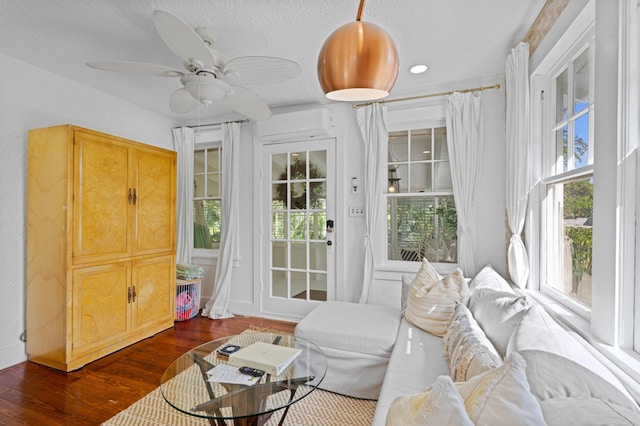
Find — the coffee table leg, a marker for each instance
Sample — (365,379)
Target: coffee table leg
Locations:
(252,399)
(205,366)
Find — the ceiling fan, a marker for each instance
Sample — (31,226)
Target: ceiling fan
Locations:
(210,77)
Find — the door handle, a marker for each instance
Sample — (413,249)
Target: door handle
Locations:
(329,225)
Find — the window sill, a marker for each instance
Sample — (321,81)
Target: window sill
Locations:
(413,267)
(205,253)
(625,364)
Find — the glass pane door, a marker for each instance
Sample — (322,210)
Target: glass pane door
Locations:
(299,266)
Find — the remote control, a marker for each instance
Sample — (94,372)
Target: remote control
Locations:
(251,371)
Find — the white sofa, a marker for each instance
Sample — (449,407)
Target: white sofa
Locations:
(566,382)
(571,385)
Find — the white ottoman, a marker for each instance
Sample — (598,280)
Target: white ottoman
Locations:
(357,340)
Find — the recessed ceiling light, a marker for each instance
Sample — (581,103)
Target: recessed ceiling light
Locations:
(418,69)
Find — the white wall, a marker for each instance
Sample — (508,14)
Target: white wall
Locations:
(32,98)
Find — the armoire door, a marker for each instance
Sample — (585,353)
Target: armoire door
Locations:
(100,309)
(154,290)
(153,198)
(101,206)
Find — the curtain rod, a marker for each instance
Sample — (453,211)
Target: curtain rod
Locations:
(246,120)
(431,95)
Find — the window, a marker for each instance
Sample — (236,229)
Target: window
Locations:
(568,206)
(207,197)
(421,214)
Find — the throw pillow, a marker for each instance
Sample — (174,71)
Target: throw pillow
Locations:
(587,411)
(440,404)
(539,332)
(407,282)
(552,376)
(498,314)
(489,278)
(427,275)
(466,347)
(501,396)
(431,301)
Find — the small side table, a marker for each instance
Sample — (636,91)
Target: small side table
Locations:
(187,298)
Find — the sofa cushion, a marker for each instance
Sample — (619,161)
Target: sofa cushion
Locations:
(431,303)
(353,327)
(539,332)
(498,313)
(489,278)
(416,361)
(440,404)
(356,340)
(587,412)
(501,396)
(552,376)
(466,347)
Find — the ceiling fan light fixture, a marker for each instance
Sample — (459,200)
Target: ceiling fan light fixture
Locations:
(205,88)
(358,62)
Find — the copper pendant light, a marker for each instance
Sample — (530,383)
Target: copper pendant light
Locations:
(358,62)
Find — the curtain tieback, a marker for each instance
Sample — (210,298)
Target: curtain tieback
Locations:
(515,238)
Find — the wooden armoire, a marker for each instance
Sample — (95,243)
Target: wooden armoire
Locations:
(101,241)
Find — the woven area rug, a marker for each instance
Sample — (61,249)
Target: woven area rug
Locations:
(318,408)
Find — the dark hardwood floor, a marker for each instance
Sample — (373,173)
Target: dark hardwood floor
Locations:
(32,394)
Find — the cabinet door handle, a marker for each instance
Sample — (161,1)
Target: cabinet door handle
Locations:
(134,196)
(129,295)
(134,293)
(130,196)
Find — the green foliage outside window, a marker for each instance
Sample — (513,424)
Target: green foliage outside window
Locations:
(578,204)
(207,223)
(426,227)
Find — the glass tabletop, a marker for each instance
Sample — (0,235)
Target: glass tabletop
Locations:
(187,384)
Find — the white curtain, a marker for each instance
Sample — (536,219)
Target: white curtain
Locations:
(183,142)
(518,155)
(218,304)
(372,122)
(465,143)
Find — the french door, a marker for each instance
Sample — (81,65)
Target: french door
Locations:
(298,243)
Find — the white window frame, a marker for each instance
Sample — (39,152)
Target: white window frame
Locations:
(552,161)
(431,114)
(615,313)
(205,139)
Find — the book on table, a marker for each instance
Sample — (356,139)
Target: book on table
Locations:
(272,359)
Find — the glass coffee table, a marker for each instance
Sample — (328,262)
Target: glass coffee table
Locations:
(187,386)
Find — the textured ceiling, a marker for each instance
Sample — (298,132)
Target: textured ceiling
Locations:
(458,39)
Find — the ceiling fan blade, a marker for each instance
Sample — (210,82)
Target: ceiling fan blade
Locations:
(247,103)
(182,40)
(260,70)
(182,101)
(136,68)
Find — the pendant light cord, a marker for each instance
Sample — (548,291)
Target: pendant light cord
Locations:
(360,10)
